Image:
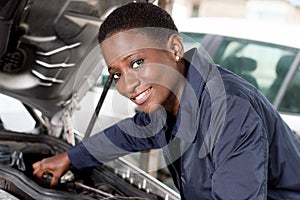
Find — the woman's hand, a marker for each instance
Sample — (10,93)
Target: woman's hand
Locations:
(56,165)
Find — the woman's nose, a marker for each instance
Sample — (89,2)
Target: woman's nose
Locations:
(130,81)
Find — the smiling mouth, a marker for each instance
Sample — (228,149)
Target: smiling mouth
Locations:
(142,97)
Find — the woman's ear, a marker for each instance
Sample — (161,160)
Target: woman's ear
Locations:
(175,46)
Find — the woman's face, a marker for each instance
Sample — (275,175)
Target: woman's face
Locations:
(146,74)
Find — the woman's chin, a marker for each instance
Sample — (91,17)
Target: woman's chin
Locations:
(152,108)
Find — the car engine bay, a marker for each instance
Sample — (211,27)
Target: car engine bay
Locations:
(115,180)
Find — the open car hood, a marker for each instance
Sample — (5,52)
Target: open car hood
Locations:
(49,52)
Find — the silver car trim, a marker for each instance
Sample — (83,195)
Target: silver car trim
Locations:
(60,49)
(57,65)
(40,39)
(45,78)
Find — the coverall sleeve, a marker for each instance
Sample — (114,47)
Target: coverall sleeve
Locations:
(241,155)
(127,136)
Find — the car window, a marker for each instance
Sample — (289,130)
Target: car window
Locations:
(191,40)
(291,99)
(264,65)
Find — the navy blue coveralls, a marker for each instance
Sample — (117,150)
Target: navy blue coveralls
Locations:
(227,142)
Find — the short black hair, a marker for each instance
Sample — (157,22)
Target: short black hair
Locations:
(138,15)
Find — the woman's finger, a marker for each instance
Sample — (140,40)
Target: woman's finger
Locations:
(54,181)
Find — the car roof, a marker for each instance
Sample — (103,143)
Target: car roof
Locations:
(264,31)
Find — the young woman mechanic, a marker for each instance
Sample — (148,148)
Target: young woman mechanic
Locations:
(220,137)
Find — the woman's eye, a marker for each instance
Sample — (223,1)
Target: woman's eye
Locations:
(116,75)
(137,63)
